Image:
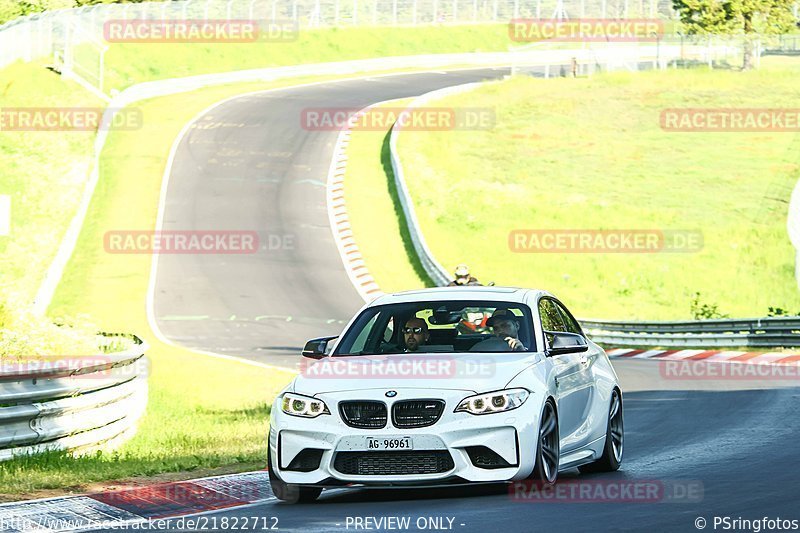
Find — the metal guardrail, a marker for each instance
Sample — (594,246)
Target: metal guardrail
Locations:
(784,325)
(71,403)
(708,340)
(770,332)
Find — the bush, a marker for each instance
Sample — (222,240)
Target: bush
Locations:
(779,311)
(702,311)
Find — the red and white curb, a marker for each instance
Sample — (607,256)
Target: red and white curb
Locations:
(715,356)
(351,256)
(136,505)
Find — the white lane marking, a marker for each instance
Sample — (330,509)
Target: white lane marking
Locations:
(617,352)
(682,354)
(647,354)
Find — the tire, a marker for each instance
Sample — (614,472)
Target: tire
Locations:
(615,440)
(545,470)
(290,493)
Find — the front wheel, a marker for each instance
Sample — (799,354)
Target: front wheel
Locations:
(287,492)
(615,439)
(548,449)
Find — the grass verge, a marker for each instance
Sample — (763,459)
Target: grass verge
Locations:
(34,164)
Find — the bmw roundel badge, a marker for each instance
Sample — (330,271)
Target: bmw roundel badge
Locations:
(391,393)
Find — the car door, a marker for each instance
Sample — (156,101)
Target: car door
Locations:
(585,381)
(569,378)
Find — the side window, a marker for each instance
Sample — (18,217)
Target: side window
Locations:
(551,318)
(363,335)
(570,323)
(387,335)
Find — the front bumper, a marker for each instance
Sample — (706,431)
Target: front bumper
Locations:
(510,435)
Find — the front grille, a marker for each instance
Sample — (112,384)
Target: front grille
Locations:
(393,463)
(416,413)
(363,414)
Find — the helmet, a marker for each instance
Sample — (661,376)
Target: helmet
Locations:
(462,271)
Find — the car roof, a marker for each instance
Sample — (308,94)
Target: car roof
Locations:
(472,292)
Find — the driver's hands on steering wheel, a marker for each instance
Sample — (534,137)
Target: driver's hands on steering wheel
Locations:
(515,344)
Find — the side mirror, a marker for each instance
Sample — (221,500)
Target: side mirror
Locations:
(562,342)
(316,348)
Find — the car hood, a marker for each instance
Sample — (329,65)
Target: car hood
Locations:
(476,372)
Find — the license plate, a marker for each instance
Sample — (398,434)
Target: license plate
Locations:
(390,443)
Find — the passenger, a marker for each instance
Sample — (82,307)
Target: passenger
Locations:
(463,278)
(505,331)
(415,334)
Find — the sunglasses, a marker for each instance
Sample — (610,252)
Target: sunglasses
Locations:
(415,331)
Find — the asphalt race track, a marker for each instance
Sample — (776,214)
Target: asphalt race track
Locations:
(249,165)
(717,453)
(715,449)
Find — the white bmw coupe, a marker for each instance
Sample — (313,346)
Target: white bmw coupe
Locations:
(447,386)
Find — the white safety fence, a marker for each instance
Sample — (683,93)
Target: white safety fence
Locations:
(58,33)
(72,403)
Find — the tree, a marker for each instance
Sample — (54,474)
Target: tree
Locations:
(746,18)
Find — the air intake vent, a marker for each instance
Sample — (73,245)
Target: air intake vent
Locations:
(393,463)
(484,457)
(306,461)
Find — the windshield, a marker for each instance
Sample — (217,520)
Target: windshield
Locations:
(440,327)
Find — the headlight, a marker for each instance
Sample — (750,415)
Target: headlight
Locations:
(493,402)
(296,405)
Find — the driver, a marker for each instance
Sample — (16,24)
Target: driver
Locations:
(415,334)
(505,328)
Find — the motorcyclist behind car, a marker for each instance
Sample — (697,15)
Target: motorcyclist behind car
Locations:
(463,278)
(415,334)
(505,331)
